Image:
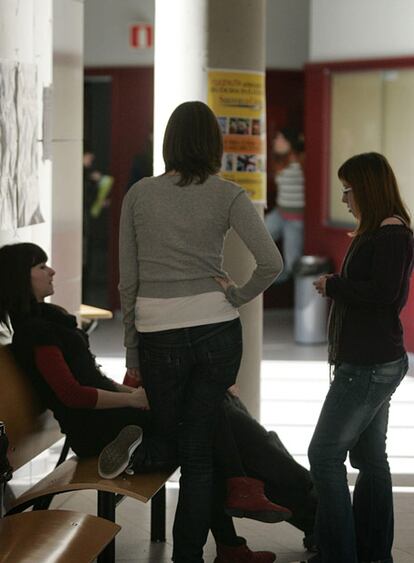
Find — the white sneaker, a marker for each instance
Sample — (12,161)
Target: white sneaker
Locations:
(114,458)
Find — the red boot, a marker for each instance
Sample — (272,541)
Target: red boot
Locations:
(246,499)
(242,554)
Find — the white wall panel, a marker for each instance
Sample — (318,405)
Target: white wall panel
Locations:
(355,29)
(287,33)
(107,32)
(26,36)
(107,21)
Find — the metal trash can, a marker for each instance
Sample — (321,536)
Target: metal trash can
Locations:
(311,309)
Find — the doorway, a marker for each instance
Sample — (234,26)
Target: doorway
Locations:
(97,184)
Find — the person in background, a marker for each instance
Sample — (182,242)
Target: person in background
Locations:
(182,328)
(366,350)
(285,220)
(96,199)
(142,163)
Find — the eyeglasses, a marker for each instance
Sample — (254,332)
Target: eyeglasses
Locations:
(346,190)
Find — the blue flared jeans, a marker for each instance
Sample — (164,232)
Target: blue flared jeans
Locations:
(354,419)
(186,372)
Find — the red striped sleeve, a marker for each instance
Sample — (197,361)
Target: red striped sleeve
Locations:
(51,364)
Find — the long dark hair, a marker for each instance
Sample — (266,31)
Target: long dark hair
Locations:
(375,190)
(193,143)
(16,295)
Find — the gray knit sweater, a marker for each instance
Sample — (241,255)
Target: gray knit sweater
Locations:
(171,244)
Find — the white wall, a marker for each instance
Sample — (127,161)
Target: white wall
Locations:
(26,36)
(50,34)
(287,33)
(106,32)
(67,148)
(353,29)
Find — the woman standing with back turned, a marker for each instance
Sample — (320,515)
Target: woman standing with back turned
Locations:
(180,309)
(367,351)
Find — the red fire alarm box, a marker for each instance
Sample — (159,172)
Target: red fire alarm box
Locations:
(141,35)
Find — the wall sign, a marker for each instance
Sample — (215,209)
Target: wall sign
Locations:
(141,35)
(238,100)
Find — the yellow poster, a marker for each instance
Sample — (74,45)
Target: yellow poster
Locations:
(238,100)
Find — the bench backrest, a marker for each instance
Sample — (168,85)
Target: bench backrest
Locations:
(30,427)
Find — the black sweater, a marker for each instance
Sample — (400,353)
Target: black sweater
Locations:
(374,293)
(49,325)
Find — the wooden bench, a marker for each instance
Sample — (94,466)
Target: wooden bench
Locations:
(90,316)
(94,313)
(31,430)
(55,536)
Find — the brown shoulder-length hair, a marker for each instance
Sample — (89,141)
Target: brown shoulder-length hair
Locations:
(375,190)
(193,143)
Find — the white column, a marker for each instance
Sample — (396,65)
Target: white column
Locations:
(67,148)
(190,37)
(180,61)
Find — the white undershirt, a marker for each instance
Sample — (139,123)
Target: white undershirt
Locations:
(154,314)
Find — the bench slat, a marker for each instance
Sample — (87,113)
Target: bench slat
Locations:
(75,474)
(94,313)
(55,536)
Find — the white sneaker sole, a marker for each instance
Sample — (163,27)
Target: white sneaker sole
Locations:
(115,457)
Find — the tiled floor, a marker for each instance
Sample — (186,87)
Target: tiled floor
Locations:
(294,383)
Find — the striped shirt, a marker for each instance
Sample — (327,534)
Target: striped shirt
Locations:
(291,189)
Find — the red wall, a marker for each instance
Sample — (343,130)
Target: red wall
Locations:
(284,108)
(321,238)
(285,98)
(131,123)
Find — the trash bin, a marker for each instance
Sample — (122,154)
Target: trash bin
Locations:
(311,309)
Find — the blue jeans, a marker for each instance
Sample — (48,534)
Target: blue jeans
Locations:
(291,231)
(186,373)
(354,419)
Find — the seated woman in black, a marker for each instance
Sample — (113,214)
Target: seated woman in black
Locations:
(98,414)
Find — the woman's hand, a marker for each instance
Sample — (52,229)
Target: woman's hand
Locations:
(320,284)
(138,399)
(225,282)
(234,390)
(135,375)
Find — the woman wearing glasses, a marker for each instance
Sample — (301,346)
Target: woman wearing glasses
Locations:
(369,361)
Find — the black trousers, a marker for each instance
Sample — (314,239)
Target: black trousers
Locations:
(263,456)
(90,430)
(186,373)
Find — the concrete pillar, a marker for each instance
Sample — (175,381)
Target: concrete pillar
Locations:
(191,37)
